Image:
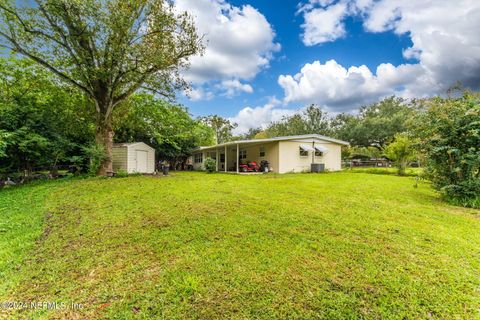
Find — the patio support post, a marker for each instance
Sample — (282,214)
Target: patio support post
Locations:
(218,159)
(313,152)
(238,156)
(226,160)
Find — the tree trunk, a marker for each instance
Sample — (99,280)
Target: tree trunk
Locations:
(104,138)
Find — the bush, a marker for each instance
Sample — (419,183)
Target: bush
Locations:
(121,174)
(95,155)
(401,151)
(210,165)
(450,138)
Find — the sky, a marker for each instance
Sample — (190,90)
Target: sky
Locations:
(265,59)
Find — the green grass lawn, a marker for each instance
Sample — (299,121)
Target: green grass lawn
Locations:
(192,245)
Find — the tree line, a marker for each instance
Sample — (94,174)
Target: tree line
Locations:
(45,123)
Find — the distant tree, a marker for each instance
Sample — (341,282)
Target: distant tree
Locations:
(251,133)
(402,151)
(107,49)
(449,133)
(313,120)
(223,127)
(375,125)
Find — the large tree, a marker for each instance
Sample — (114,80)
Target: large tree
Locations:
(108,49)
(223,127)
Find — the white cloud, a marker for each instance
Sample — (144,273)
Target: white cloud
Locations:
(259,116)
(198,93)
(233,87)
(324,25)
(445,41)
(239,41)
(338,88)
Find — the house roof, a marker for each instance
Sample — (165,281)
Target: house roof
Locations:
(287,138)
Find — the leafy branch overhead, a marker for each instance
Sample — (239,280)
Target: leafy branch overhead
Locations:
(108,49)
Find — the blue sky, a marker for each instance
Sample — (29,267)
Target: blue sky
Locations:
(266,59)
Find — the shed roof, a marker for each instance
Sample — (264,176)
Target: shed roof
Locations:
(130,144)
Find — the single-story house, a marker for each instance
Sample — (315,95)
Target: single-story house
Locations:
(133,157)
(284,154)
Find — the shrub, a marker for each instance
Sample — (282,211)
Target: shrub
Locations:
(95,155)
(450,138)
(210,165)
(401,151)
(121,173)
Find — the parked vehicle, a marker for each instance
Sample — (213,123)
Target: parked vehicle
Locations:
(250,166)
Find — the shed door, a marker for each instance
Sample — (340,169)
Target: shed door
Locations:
(142,157)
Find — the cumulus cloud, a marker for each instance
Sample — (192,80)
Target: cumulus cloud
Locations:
(445,41)
(240,42)
(199,93)
(259,117)
(233,87)
(324,25)
(339,89)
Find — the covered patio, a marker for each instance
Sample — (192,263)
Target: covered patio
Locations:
(230,155)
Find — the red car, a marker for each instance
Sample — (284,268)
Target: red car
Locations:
(250,166)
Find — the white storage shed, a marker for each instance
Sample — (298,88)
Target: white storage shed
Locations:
(133,157)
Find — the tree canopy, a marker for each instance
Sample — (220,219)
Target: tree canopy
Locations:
(40,123)
(106,49)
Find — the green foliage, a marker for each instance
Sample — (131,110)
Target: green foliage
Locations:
(401,151)
(166,127)
(106,49)
(42,123)
(375,125)
(210,165)
(221,126)
(207,246)
(311,121)
(96,155)
(449,132)
(121,173)
(362,152)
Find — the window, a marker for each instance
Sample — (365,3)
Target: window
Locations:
(198,158)
(303,152)
(212,155)
(242,154)
(318,153)
(222,157)
(262,152)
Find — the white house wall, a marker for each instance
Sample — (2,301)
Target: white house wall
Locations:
(291,161)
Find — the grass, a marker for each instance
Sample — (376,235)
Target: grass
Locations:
(198,246)
(411,172)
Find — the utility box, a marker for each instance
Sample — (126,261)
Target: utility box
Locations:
(317,167)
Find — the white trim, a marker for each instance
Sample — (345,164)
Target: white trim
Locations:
(306,147)
(322,149)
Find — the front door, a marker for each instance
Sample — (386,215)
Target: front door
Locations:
(141,161)
(222,161)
